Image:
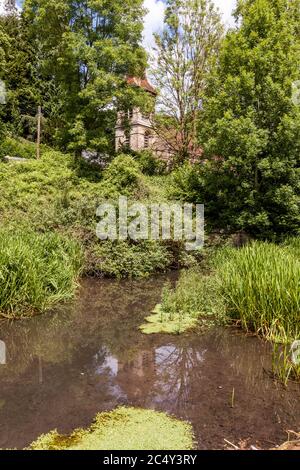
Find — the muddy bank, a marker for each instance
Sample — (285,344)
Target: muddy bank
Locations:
(88,356)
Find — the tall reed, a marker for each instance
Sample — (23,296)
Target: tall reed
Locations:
(36,270)
(260,285)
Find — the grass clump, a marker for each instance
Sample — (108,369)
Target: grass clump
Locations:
(123,172)
(193,303)
(260,285)
(36,271)
(124,429)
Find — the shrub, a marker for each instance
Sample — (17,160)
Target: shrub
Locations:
(186,183)
(20,148)
(36,270)
(149,163)
(123,172)
(125,259)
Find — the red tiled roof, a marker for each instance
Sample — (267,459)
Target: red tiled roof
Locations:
(143,83)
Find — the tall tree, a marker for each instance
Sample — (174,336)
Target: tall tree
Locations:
(252,122)
(89,46)
(184,55)
(18,71)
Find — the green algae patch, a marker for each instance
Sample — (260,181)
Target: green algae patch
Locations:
(160,322)
(124,429)
(193,303)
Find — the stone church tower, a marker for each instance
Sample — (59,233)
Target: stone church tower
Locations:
(140,135)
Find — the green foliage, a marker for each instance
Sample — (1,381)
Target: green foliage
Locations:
(60,193)
(14,147)
(186,51)
(260,285)
(19,71)
(252,124)
(194,302)
(123,172)
(124,429)
(36,271)
(87,52)
(123,259)
(149,163)
(186,183)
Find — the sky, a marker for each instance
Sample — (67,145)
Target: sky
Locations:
(154,19)
(18,3)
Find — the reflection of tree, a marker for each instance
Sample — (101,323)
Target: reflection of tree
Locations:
(163,375)
(105,312)
(58,373)
(178,367)
(136,375)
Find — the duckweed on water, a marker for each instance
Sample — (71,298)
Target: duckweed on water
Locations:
(124,429)
(160,322)
(193,303)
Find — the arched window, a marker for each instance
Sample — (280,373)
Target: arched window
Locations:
(127,141)
(147,139)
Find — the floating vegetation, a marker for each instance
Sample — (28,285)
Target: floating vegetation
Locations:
(124,429)
(191,304)
(160,322)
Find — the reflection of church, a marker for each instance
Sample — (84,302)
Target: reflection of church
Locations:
(137,376)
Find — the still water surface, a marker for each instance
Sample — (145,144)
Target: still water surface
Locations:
(88,356)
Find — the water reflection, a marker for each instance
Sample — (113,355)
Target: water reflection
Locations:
(88,356)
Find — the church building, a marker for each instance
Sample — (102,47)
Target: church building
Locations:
(141,134)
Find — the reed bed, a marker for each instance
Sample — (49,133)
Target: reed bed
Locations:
(36,271)
(260,285)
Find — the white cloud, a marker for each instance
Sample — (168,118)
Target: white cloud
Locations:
(226,8)
(155,17)
(154,20)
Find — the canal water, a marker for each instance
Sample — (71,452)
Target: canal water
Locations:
(88,356)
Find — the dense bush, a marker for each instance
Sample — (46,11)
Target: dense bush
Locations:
(123,172)
(149,163)
(125,259)
(56,194)
(17,148)
(36,270)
